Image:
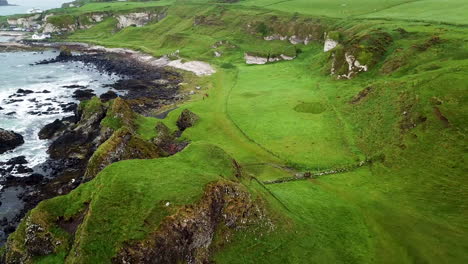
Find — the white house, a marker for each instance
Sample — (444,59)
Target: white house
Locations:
(40,36)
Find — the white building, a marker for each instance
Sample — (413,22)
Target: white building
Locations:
(40,36)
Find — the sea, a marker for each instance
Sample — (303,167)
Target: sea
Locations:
(28,116)
(22,6)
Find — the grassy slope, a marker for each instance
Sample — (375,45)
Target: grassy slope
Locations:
(112,6)
(128,199)
(331,8)
(410,208)
(450,11)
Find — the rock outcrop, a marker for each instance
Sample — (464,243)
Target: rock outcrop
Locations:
(25,22)
(186,236)
(3,3)
(331,41)
(122,145)
(69,23)
(166,140)
(9,140)
(259,60)
(358,54)
(295,31)
(138,19)
(186,119)
(49,130)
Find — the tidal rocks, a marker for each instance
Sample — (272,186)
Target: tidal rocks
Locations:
(84,94)
(21,91)
(17,160)
(109,95)
(74,86)
(30,180)
(186,119)
(148,86)
(70,107)
(9,140)
(49,130)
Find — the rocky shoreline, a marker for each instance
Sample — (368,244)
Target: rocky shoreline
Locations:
(198,68)
(144,88)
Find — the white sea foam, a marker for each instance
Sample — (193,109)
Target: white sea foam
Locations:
(16,72)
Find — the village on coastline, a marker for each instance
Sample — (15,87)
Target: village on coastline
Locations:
(22,27)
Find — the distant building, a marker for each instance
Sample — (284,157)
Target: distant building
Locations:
(34,11)
(40,36)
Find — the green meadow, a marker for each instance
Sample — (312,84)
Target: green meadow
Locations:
(283,118)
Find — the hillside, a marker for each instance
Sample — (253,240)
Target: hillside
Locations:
(356,154)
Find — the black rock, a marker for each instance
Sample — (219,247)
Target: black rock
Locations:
(14,101)
(35,178)
(9,140)
(23,169)
(74,86)
(49,130)
(21,91)
(45,91)
(109,95)
(186,119)
(70,107)
(17,160)
(83,94)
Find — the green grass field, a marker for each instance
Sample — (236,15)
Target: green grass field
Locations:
(276,120)
(112,6)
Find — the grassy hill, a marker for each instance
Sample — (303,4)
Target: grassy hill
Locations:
(407,114)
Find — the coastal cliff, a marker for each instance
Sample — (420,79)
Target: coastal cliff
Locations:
(3,3)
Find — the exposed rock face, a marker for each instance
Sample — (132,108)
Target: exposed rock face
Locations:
(252,59)
(122,145)
(3,2)
(77,143)
(187,119)
(9,140)
(138,19)
(186,236)
(166,140)
(354,67)
(359,54)
(330,43)
(49,130)
(294,39)
(25,22)
(294,31)
(38,241)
